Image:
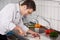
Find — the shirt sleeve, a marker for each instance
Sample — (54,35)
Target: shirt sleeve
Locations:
(6,17)
(25,28)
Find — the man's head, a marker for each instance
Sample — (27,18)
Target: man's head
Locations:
(27,7)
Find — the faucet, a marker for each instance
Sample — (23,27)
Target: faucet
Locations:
(43,19)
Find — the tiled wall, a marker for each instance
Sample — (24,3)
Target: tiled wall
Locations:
(47,9)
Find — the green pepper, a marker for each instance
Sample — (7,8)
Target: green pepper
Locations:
(53,34)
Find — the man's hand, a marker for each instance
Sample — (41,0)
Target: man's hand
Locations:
(19,31)
(34,34)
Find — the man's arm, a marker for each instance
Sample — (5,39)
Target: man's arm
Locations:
(6,16)
(19,30)
(27,30)
(23,26)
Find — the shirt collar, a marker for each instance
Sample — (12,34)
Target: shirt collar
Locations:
(17,7)
(18,10)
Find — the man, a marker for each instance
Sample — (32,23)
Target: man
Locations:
(11,18)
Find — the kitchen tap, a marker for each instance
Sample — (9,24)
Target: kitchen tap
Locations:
(37,17)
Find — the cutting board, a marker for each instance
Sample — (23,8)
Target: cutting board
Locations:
(42,37)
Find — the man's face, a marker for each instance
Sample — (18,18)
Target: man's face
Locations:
(26,11)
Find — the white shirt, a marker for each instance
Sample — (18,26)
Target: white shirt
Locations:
(10,17)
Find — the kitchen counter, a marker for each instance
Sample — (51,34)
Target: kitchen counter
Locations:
(42,37)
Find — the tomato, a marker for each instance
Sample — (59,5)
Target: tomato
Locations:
(48,31)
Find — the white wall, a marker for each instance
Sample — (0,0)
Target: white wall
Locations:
(5,2)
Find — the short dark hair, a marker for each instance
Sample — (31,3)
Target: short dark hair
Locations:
(30,4)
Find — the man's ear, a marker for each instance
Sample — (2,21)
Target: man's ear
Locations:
(25,6)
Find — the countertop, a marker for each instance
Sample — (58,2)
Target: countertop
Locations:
(42,37)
